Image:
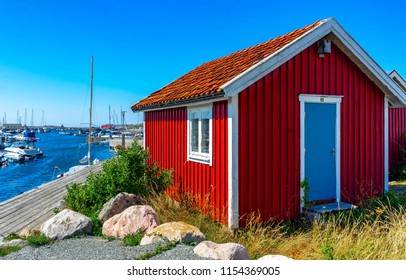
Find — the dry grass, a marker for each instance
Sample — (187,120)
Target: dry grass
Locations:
(379,234)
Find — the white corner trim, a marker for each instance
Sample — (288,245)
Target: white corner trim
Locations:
(233,213)
(144,134)
(326,99)
(386,146)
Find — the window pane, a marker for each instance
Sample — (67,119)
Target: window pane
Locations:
(205,132)
(194,132)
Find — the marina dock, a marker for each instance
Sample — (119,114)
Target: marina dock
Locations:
(32,208)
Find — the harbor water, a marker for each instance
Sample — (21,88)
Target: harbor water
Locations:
(60,152)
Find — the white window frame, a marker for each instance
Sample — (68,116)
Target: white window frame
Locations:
(200,157)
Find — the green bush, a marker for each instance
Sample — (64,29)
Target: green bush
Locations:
(129,171)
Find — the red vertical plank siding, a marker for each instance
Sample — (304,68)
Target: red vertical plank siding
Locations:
(166,138)
(397,128)
(271,104)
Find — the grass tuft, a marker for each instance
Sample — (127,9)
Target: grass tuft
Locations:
(38,240)
(8,249)
(12,236)
(133,239)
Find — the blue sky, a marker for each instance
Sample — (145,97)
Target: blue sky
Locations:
(140,46)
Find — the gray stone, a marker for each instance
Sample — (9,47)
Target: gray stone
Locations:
(65,224)
(174,231)
(134,219)
(118,204)
(226,251)
(14,242)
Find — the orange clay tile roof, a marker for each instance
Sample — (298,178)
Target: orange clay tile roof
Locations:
(206,79)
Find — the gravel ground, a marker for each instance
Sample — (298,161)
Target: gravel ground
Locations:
(96,248)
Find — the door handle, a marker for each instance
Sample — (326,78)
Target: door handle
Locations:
(333,152)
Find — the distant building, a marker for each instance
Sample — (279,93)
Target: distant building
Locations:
(11,126)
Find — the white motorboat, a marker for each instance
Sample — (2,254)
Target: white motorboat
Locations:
(25,151)
(13,157)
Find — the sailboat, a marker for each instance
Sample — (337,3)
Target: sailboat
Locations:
(87,159)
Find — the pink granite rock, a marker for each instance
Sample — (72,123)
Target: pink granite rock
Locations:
(118,204)
(138,218)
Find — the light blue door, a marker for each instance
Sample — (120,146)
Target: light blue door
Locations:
(320,164)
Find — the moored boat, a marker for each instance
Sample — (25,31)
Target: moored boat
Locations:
(25,151)
(14,157)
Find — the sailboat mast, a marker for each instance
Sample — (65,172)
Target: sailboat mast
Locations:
(90,113)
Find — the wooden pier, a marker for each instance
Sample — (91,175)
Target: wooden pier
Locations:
(34,207)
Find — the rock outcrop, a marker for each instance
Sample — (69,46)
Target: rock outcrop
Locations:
(65,224)
(138,218)
(226,251)
(118,204)
(174,231)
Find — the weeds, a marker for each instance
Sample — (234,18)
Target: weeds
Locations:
(158,250)
(12,236)
(8,249)
(374,232)
(38,240)
(133,239)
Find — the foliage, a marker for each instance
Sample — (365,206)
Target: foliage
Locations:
(8,249)
(158,250)
(129,171)
(38,240)
(304,185)
(11,236)
(374,231)
(133,239)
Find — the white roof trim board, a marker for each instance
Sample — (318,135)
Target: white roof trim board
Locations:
(395,75)
(391,89)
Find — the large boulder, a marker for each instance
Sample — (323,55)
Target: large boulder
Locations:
(174,231)
(65,224)
(118,204)
(138,218)
(226,251)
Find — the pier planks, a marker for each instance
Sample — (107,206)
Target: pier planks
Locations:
(32,208)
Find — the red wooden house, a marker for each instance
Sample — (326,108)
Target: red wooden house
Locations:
(244,130)
(397,127)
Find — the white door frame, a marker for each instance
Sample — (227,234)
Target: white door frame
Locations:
(327,99)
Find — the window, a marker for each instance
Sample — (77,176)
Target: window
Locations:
(200,134)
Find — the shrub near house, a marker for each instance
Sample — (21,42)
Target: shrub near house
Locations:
(129,172)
